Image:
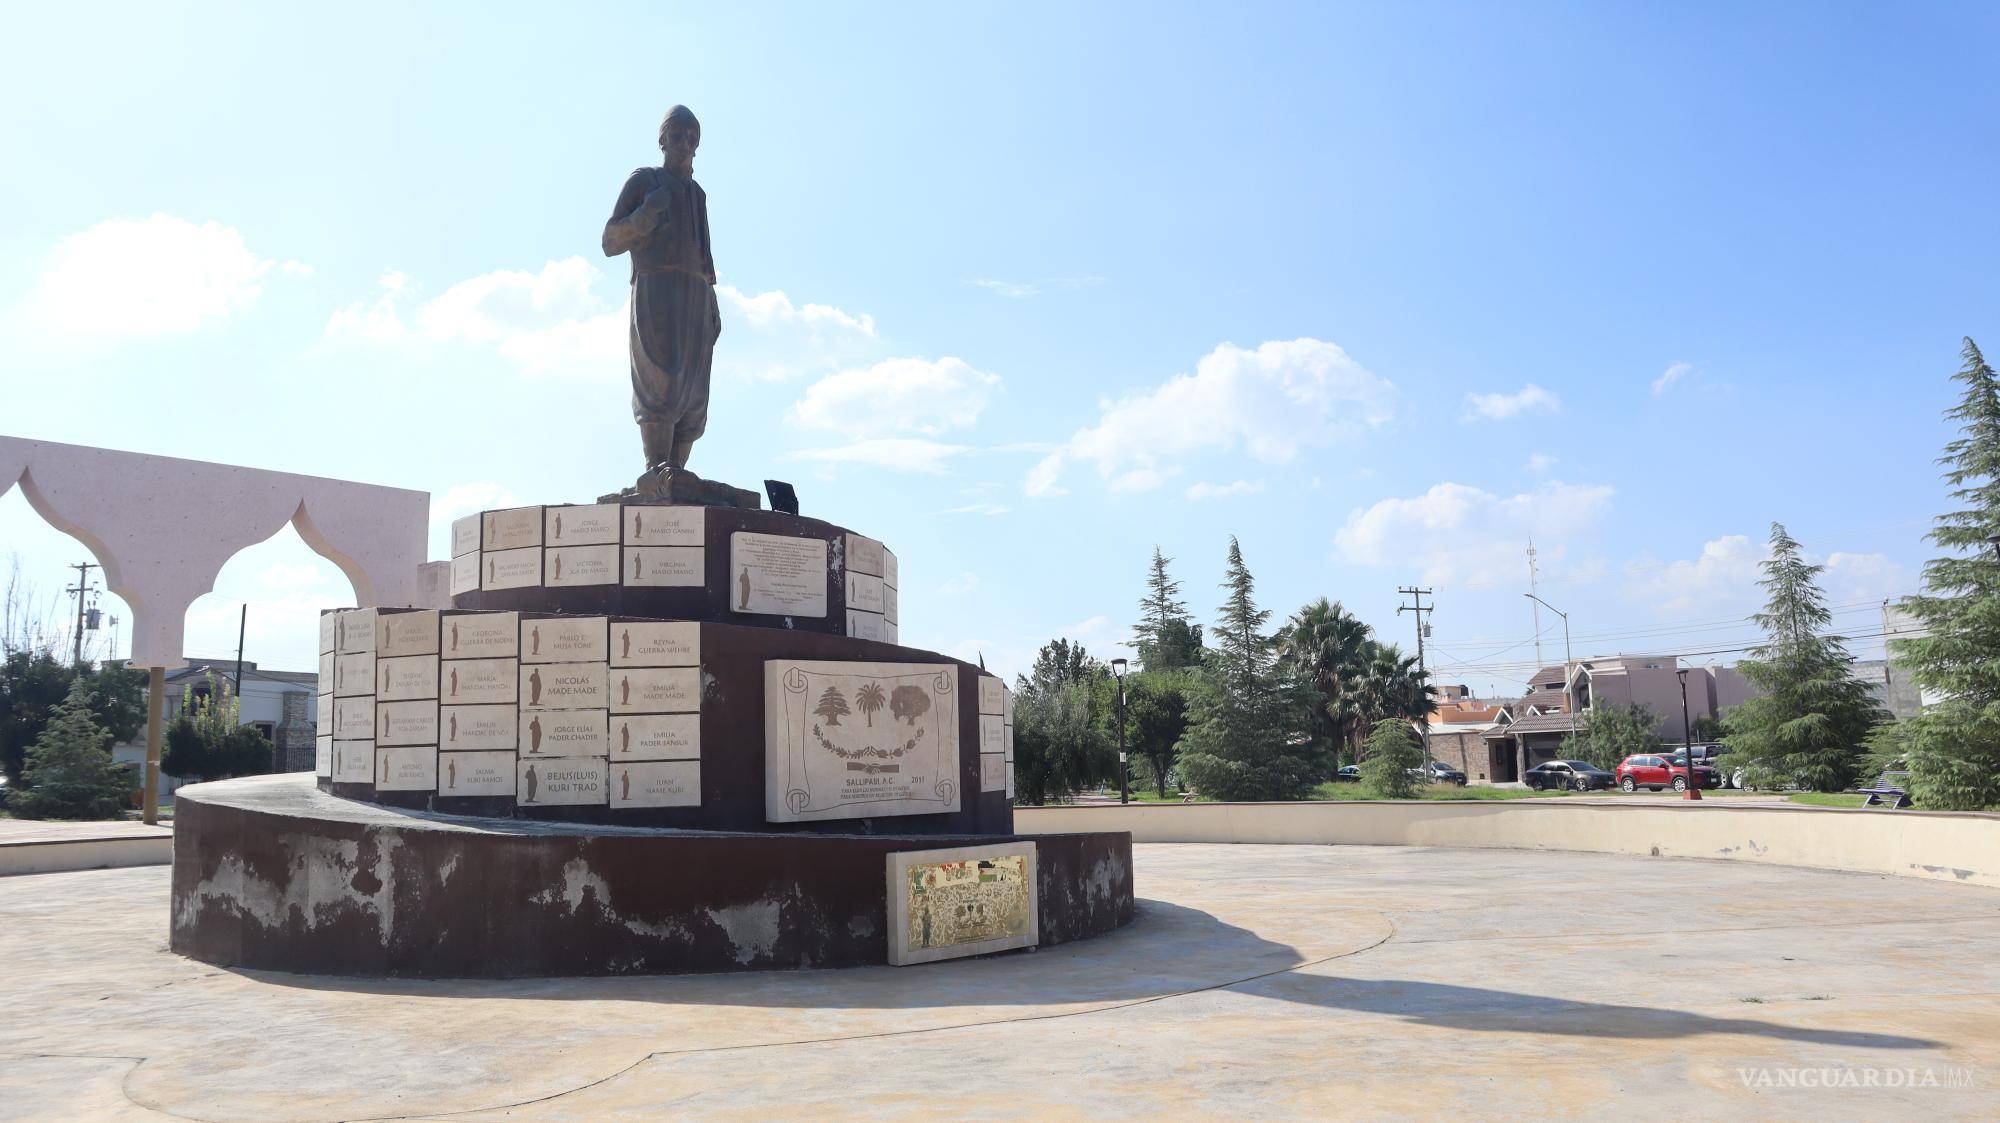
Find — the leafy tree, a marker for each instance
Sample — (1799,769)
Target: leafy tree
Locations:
(207,741)
(1811,722)
(1954,745)
(1706,729)
(34,683)
(1059,745)
(1606,734)
(69,771)
(869,699)
(1395,758)
(1246,739)
(1165,637)
(1156,716)
(1061,662)
(1329,648)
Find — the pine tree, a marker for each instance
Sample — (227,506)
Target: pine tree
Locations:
(1954,745)
(1811,721)
(1247,737)
(1395,756)
(1165,638)
(70,773)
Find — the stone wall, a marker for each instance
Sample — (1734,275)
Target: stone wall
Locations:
(292,750)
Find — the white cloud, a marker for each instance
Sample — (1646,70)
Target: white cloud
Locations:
(1671,375)
(1540,462)
(896,396)
(1455,533)
(571,319)
(957,586)
(1270,403)
(1871,577)
(1501,407)
(906,454)
(1723,579)
(1198,492)
(978,509)
(128,278)
(1015,289)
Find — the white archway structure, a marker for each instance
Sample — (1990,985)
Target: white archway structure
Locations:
(163,527)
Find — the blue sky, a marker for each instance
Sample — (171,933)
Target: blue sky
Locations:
(1023,291)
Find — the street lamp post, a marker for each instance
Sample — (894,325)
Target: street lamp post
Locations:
(1569,691)
(1993,540)
(1687,739)
(1124,775)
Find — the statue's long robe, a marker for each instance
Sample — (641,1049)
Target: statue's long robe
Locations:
(675,320)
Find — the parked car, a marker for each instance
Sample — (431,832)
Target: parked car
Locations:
(1658,772)
(1567,776)
(1715,756)
(1438,772)
(1348,774)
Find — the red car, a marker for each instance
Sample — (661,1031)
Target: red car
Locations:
(1657,772)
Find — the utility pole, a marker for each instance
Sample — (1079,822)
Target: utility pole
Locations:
(1422,610)
(1535,603)
(81,590)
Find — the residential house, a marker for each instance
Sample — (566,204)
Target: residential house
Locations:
(278,703)
(1559,701)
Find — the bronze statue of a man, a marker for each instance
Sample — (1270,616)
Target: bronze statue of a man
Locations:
(662,220)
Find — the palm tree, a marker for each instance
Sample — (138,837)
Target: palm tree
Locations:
(1391,686)
(1326,645)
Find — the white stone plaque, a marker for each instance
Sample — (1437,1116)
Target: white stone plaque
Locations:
(478,727)
(664,526)
(323,713)
(656,737)
(562,686)
(328,633)
(560,782)
(865,592)
(666,783)
(971,900)
(1010,778)
(636,643)
(512,569)
(772,575)
(992,772)
(655,690)
(856,740)
(324,681)
(355,631)
(571,566)
(481,635)
(992,695)
(412,676)
(891,634)
(464,574)
(889,609)
(465,536)
(589,525)
(354,674)
(406,633)
(564,639)
(1007,705)
(866,625)
(406,723)
(472,774)
(354,719)
(512,529)
(992,734)
(864,555)
(406,768)
(467,681)
(1007,738)
(889,570)
(665,566)
(564,733)
(353,762)
(323,756)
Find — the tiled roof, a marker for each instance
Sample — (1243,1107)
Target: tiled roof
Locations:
(1533,723)
(1547,676)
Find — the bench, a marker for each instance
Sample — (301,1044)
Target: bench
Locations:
(1887,792)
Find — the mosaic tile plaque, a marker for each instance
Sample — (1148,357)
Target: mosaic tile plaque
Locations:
(654,690)
(665,783)
(353,762)
(636,643)
(655,737)
(774,575)
(475,774)
(564,733)
(665,566)
(593,524)
(562,686)
(406,723)
(406,633)
(479,728)
(856,740)
(481,635)
(564,639)
(512,569)
(468,681)
(512,529)
(573,566)
(406,768)
(972,900)
(560,782)
(664,526)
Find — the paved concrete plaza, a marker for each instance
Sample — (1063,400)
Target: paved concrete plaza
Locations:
(1258,982)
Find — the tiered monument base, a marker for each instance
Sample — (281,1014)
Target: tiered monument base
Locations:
(271,873)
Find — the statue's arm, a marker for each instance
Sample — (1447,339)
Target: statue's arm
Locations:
(633,219)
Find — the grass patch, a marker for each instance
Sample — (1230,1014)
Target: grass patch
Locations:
(1827,799)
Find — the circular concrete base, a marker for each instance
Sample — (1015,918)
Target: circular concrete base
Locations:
(270,872)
